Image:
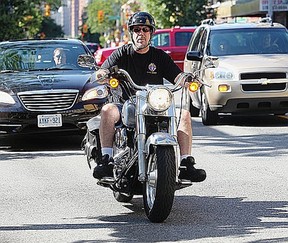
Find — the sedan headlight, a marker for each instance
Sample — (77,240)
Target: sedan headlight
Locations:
(5,98)
(98,92)
(159,99)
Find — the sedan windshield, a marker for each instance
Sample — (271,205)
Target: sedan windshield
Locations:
(248,41)
(40,56)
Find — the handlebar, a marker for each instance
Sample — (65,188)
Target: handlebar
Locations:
(183,77)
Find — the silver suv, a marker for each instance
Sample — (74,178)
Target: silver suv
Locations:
(252,73)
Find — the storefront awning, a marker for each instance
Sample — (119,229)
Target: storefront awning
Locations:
(246,9)
(232,9)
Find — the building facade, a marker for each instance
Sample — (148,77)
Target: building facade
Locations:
(69,16)
(276,9)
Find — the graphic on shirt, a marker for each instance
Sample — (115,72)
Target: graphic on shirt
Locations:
(152,68)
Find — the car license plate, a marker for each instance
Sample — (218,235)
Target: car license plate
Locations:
(53,120)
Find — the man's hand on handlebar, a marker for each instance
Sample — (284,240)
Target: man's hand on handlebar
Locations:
(102,76)
(186,78)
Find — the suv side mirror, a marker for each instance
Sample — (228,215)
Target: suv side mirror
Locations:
(194,56)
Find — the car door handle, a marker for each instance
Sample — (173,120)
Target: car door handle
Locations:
(168,52)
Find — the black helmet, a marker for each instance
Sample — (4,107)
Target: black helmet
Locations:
(141,18)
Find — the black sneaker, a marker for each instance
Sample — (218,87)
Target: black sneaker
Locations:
(104,168)
(190,172)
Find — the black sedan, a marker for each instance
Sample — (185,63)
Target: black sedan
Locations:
(43,89)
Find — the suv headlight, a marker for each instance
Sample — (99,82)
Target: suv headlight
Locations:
(5,98)
(98,92)
(159,99)
(221,75)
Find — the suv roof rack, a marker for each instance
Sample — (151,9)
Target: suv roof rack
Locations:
(266,20)
(208,21)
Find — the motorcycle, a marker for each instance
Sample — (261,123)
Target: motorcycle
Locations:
(146,150)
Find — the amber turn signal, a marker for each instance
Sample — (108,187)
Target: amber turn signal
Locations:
(194,86)
(114,83)
(223,88)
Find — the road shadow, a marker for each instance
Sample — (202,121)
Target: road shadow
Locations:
(41,142)
(34,146)
(195,218)
(266,144)
(259,121)
(191,218)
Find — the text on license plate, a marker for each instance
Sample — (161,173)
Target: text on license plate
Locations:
(51,120)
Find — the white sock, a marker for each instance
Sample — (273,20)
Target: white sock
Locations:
(108,151)
(184,156)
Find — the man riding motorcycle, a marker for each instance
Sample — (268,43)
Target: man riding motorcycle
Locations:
(143,62)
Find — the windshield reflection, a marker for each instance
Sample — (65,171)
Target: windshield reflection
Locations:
(247,41)
(38,57)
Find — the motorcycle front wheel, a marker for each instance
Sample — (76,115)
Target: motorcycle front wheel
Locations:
(159,189)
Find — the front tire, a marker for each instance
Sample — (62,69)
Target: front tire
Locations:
(159,189)
(194,112)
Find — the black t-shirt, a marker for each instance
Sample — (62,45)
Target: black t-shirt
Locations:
(148,68)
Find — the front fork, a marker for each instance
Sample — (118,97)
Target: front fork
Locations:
(160,139)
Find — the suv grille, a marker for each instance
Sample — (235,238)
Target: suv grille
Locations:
(260,87)
(262,75)
(48,100)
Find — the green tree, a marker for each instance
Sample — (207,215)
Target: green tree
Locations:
(169,13)
(111,9)
(50,29)
(22,18)
(108,9)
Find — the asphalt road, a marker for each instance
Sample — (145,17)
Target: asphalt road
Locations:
(47,193)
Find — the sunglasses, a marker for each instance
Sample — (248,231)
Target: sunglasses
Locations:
(60,56)
(144,29)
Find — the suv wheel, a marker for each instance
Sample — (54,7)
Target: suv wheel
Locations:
(208,117)
(194,112)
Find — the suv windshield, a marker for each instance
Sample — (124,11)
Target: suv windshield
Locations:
(247,41)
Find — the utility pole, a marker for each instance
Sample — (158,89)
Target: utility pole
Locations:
(270,9)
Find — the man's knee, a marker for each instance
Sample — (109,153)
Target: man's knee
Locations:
(110,111)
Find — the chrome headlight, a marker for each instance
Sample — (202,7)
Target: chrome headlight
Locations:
(98,92)
(159,99)
(5,98)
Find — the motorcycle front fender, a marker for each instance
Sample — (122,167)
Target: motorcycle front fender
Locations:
(160,138)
